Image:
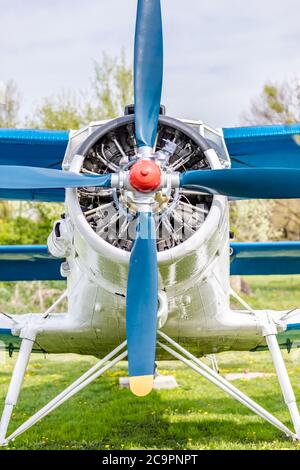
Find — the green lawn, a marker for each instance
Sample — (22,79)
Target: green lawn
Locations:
(194,416)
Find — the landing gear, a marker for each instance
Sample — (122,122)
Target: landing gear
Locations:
(284,381)
(17,378)
(175,350)
(208,373)
(16,381)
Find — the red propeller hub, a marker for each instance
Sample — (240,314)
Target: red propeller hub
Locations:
(145,176)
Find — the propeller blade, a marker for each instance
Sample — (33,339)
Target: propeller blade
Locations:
(148,71)
(141,306)
(26,177)
(250,183)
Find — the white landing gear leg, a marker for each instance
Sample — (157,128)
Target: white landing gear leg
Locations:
(93,373)
(28,338)
(284,381)
(205,371)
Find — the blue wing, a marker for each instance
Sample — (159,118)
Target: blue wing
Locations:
(257,146)
(33,262)
(28,263)
(265,258)
(264,146)
(39,148)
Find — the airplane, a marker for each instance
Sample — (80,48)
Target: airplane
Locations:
(144,244)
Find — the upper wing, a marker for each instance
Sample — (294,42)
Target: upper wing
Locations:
(253,147)
(264,146)
(39,148)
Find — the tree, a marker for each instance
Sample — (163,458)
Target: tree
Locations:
(30,223)
(9,108)
(111,89)
(252,221)
(63,112)
(279,103)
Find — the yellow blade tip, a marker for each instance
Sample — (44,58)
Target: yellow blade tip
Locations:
(141,385)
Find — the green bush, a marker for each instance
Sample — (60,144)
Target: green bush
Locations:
(27,223)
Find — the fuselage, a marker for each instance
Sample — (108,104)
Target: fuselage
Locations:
(194,300)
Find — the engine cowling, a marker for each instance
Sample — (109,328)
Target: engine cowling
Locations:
(103,220)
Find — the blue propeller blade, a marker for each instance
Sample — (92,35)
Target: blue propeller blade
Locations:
(141,306)
(250,183)
(25,177)
(148,70)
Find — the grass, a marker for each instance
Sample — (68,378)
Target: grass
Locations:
(194,416)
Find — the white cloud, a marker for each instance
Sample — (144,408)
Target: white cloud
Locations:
(218,53)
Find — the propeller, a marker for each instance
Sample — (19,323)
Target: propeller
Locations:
(148,71)
(142,287)
(27,177)
(141,306)
(250,183)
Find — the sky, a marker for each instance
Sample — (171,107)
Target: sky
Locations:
(217,53)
